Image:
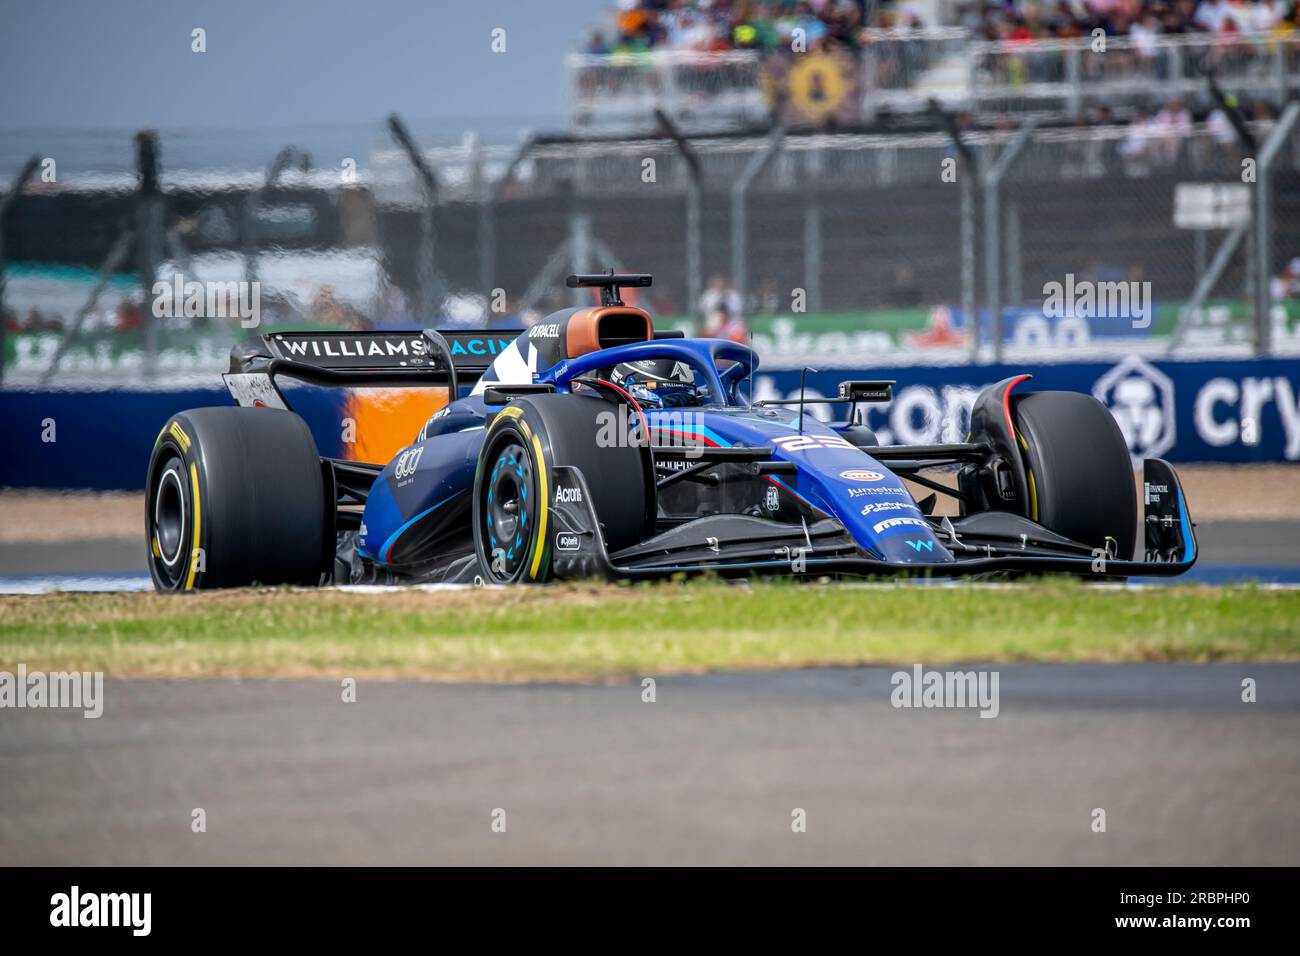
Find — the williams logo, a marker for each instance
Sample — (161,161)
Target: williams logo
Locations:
(345,350)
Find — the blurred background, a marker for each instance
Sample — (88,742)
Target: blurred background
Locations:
(887,187)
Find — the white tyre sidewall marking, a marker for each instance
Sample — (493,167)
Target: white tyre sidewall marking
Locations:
(174,474)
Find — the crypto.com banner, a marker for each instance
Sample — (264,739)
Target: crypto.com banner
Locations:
(1224,411)
(1217,411)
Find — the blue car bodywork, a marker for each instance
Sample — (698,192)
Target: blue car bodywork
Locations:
(834,479)
(797,495)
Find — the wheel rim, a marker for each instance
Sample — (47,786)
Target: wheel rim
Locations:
(169,521)
(507,511)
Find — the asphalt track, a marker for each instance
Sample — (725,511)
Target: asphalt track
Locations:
(710,773)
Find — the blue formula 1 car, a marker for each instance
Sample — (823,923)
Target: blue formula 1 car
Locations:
(591,445)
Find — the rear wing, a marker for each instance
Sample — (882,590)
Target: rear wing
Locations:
(415,358)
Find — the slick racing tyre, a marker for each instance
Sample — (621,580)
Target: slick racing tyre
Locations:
(513,483)
(1078,468)
(235,496)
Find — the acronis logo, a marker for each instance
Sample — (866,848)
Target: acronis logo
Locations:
(487,346)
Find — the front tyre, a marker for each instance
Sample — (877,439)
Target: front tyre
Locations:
(509,509)
(513,530)
(1078,468)
(234,496)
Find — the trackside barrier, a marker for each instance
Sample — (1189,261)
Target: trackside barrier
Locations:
(1208,411)
(101,440)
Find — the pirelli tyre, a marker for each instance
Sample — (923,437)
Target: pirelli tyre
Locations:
(513,484)
(235,496)
(1078,469)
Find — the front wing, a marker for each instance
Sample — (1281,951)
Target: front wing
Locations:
(993,542)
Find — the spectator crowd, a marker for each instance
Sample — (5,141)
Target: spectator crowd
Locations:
(718,26)
(1143,20)
(768,25)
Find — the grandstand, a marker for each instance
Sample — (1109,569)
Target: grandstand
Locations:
(795,146)
(851,62)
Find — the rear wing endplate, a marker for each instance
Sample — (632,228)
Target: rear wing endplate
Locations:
(413,359)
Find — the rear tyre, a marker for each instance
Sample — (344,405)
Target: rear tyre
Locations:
(1079,470)
(234,496)
(513,535)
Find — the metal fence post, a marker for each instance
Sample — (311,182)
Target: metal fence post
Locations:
(580,246)
(1015,272)
(670,85)
(967,175)
(1264,224)
(812,237)
(812,253)
(694,244)
(738,191)
(487,218)
(694,195)
(1073,76)
(486,236)
(148,237)
(1279,70)
(253,202)
(993,260)
(425,272)
(993,176)
(1209,278)
(971,320)
(6,206)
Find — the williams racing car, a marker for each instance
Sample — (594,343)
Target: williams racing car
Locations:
(592,445)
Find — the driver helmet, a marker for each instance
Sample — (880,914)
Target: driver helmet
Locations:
(657,383)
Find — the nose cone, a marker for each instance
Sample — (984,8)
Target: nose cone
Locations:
(876,508)
(914,546)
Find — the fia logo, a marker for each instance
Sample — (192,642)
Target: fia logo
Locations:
(773,499)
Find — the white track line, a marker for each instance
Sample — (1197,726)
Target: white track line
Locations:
(88,583)
(105,584)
